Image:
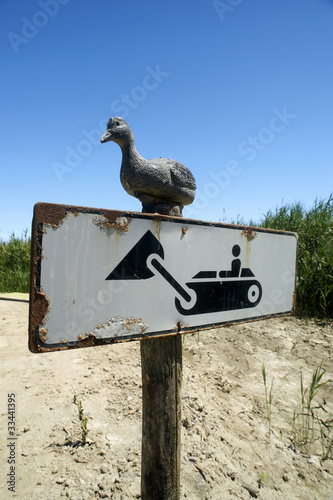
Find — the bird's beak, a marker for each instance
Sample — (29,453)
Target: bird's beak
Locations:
(106,137)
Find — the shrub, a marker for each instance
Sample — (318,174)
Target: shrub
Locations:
(315,253)
(15,264)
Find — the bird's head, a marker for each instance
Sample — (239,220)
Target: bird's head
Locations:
(117,131)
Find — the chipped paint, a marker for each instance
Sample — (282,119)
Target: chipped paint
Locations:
(50,213)
(117,327)
(120,224)
(38,308)
(181,327)
(43,334)
(249,233)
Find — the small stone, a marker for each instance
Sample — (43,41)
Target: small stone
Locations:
(60,480)
(313,460)
(72,495)
(94,487)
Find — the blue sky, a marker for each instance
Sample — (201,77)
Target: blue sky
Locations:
(240,91)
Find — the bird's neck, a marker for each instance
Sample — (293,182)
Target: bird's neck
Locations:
(130,154)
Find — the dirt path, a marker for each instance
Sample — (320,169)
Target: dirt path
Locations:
(226,450)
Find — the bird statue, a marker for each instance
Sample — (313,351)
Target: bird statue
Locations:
(162,185)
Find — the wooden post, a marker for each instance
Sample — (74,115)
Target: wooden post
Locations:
(161,365)
(161,362)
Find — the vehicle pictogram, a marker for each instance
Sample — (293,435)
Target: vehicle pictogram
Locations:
(207,292)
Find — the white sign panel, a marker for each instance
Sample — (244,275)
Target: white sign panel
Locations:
(102,276)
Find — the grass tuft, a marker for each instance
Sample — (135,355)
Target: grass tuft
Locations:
(306,421)
(269,399)
(83,419)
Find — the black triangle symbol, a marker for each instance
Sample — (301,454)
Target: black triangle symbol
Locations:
(134,264)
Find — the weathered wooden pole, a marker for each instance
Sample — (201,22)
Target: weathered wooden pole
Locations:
(161,365)
(161,361)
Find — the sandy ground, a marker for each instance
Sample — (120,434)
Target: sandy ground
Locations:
(226,448)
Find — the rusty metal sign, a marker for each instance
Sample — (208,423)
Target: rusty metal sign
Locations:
(101,276)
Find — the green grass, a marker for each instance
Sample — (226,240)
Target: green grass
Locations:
(312,424)
(268,398)
(305,420)
(315,253)
(83,419)
(15,264)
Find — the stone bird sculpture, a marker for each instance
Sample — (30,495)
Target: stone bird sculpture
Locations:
(161,184)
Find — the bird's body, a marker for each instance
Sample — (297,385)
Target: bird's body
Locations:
(154,182)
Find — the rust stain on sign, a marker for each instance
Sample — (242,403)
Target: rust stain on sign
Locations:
(108,332)
(43,334)
(50,213)
(294,301)
(157,227)
(117,327)
(39,307)
(120,224)
(53,214)
(249,233)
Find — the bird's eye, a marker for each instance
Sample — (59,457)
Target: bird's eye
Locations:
(117,124)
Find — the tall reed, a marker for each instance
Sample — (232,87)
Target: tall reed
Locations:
(315,253)
(15,264)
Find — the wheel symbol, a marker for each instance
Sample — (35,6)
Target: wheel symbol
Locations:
(253,294)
